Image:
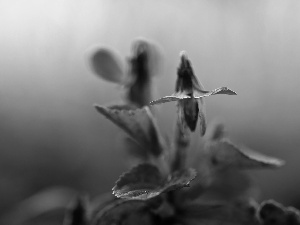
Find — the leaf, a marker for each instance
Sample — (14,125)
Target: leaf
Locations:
(138,182)
(107,65)
(180,95)
(292,216)
(272,213)
(125,212)
(224,154)
(143,65)
(47,202)
(179,179)
(145,181)
(139,124)
(202,117)
(154,55)
(234,213)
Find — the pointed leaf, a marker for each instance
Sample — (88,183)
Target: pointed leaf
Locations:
(139,124)
(180,95)
(125,212)
(145,181)
(107,65)
(171,98)
(224,154)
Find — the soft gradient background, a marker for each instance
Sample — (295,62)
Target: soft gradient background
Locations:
(50,134)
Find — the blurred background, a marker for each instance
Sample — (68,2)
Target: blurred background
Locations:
(52,136)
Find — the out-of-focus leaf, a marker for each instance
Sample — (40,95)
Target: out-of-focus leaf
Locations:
(179,96)
(274,213)
(145,181)
(154,55)
(224,154)
(107,65)
(43,203)
(235,213)
(125,213)
(139,124)
(78,212)
(144,63)
(292,216)
(230,184)
(135,150)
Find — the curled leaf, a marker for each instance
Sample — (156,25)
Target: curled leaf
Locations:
(145,181)
(138,181)
(272,213)
(224,154)
(107,65)
(139,124)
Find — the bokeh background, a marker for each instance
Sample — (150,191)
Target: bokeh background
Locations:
(50,134)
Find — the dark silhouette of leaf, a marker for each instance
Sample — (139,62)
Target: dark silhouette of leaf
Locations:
(139,124)
(292,216)
(125,212)
(145,181)
(154,55)
(144,64)
(273,213)
(107,65)
(224,154)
